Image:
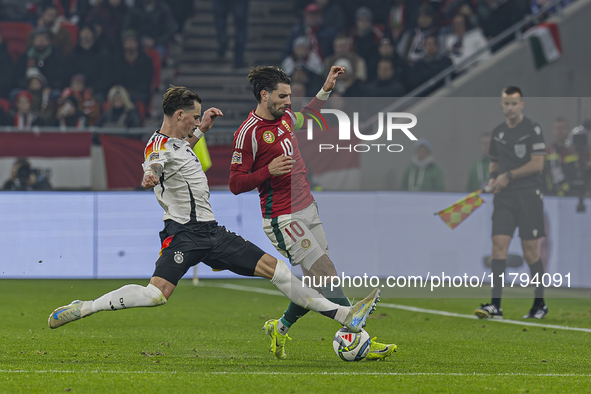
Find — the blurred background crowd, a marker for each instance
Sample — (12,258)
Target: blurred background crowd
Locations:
(104,63)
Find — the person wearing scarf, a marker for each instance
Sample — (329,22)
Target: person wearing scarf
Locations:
(423,174)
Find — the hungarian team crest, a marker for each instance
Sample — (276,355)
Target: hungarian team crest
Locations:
(269,137)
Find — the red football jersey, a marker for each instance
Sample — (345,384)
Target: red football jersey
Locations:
(256,143)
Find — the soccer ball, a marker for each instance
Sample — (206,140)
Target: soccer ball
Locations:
(351,346)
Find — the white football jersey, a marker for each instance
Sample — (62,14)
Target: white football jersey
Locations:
(182,192)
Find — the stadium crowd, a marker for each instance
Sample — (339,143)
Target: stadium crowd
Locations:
(392,47)
(77,63)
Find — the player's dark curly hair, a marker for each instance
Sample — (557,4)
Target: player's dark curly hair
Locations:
(179,97)
(266,78)
(509,90)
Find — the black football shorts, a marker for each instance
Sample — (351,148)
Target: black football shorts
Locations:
(186,245)
(523,208)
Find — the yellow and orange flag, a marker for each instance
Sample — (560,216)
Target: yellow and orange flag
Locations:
(460,210)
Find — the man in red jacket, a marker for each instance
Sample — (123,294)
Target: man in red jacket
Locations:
(266,156)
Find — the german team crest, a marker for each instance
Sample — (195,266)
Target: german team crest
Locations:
(286,125)
(520,150)
(269,137)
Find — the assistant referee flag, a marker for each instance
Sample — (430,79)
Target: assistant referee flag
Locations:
(460,210)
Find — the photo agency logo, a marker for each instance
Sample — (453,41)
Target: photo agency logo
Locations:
(395,122)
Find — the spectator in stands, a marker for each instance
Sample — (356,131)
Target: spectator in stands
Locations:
(320,36)
(121,111)
(181,11)
(299,96)
(60,37)
(25,178)
(366,37)
(24,116)
(87,103)
(428,67)
(496,16)
(302,55)
(48,59)
(68,114)
(110,16)
(478,178)
(154,24)
(239,9)
(560,169)
(342,47)
(333,14)
(347,84)
(6,70)
(88,60)
(18,10)
(72,10)
(387,51)
(43,104)
(410,47)
(387,83)
(133,69)
(422,174)
(464,42)
(464,7)
(307,78)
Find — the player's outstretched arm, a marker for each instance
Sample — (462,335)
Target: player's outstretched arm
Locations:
(319,101)
(152,175)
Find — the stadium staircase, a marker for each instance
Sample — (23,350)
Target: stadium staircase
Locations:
(217,82)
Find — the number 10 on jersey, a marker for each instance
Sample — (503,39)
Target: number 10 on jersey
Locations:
(287,147)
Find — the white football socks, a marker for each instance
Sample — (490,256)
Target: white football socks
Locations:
(128,296)
(306,297)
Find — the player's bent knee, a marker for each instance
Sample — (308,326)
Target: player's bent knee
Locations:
(266,266)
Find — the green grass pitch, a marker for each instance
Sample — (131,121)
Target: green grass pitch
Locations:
(209,339)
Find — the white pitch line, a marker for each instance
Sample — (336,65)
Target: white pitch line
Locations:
(271,373)
(408,308)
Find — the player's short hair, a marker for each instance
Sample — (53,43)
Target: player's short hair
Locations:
(509,90)
(560,119)
(266,78)
(179,97)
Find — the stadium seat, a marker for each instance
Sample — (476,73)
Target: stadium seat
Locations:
(5,105)
(15,34)
(141,110)
(157,65)
(73,29)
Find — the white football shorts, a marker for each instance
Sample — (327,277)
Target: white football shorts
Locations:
(298,236)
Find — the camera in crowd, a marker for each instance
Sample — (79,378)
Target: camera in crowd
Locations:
(579,140)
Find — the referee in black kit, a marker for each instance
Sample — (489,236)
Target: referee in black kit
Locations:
(517,152)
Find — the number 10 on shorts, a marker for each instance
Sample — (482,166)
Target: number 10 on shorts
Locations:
(296,230)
